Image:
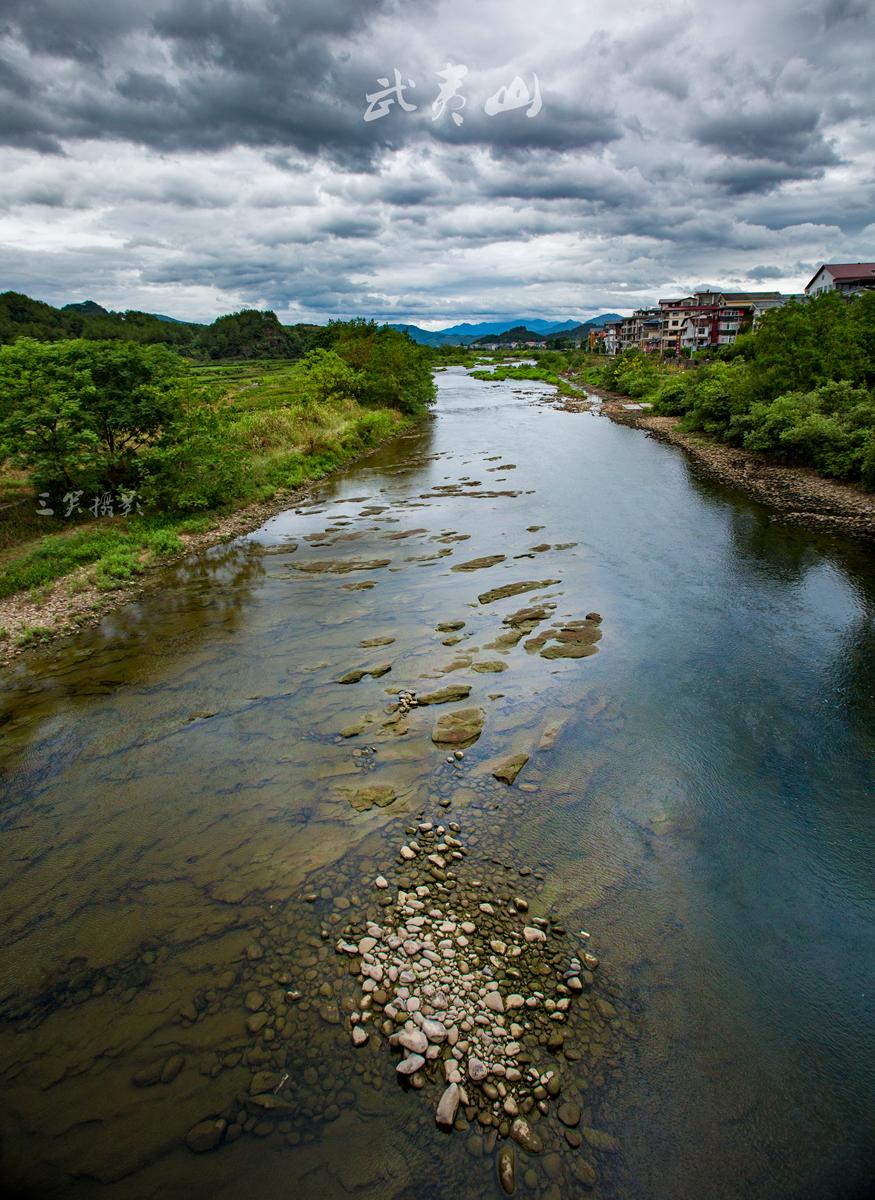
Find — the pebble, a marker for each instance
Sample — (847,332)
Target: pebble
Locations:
(413,1040)
(410,1064)
(507,1169)
(523,1134)
(477,1070)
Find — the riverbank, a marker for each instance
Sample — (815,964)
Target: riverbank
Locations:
(75,601)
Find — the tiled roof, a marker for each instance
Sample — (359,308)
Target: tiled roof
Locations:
(846,272)
(851,270)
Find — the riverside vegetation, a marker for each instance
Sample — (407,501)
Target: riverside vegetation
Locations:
(800,388)
(184,442)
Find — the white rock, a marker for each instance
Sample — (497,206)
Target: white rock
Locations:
(381,881)
(477,1070)
(413,1041)
(410,1064)
(359,1035)
(448,1106)
(534,935)
(434,1031)
(494,1002)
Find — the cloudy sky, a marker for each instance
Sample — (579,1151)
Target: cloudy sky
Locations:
(194,157)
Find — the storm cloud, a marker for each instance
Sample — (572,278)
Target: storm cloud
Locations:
(197,156)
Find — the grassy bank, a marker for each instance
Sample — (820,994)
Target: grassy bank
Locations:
(277,433)
(542,374)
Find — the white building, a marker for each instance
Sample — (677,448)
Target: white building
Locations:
(847,278)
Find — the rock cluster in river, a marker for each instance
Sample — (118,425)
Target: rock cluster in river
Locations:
(473,998)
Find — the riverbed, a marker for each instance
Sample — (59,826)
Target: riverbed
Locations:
(196,809)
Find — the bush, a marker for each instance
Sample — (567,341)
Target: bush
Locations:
(393,370)
(195,465)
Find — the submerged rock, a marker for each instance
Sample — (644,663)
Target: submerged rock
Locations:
(510,768)
(569,1114)
(479,564)
(459,728)
(507,1169)
(523,1134)
(515,589)
(375,795)
(206,1135)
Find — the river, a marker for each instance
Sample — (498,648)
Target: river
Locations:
(175,785)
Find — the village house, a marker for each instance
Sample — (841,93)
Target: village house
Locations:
(850,279)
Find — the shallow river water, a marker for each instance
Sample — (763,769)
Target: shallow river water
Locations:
(183,824)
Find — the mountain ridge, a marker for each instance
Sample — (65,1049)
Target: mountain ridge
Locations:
(466,332)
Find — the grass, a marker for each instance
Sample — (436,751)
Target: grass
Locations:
(539,373)
(285,438)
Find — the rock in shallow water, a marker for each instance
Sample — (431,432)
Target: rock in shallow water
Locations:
(460,727)
(206,1135)
(507,1169)
(523,1134)
(410,1064)
(448,1106)
(510,768)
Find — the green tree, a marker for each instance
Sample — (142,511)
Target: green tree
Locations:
(327,374)
(76,413)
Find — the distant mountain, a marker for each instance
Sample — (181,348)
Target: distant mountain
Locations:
(518,333)
(535,324)
(90,308)
(603,319)
(432,337)
(466,333)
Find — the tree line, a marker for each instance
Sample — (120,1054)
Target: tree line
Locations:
(79,414)
(242,335)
